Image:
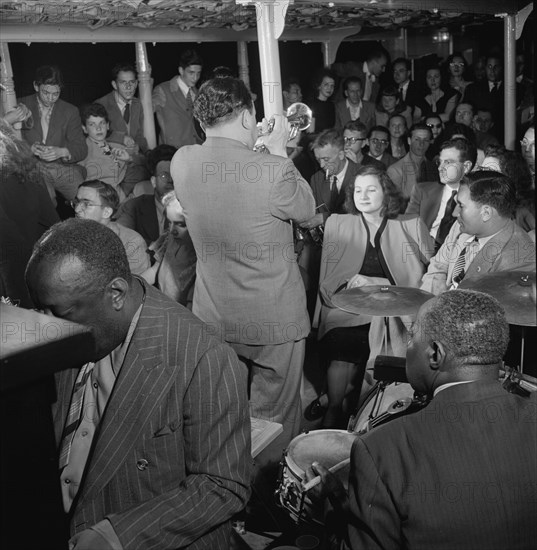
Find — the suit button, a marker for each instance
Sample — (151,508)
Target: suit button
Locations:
(478,269)
(142,464)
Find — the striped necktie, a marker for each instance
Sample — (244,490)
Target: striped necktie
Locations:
(75,413)
(190,99)
(459,268)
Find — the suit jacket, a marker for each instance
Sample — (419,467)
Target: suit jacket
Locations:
(343,114)
(140,214)
(65,128)
(510,250)
(479,95)
(174,116)
(119,127)
(413,94)
(238,204)
(456,474)
(171,459)
(425,201)
(321,190)
(403,173)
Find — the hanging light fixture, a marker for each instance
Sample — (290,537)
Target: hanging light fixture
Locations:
(442,35)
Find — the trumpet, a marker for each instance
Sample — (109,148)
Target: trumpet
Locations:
(299,116)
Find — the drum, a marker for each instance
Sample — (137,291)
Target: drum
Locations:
(328,447)
(386,401)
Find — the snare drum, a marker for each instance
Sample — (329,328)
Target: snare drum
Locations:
(328,447)
(385,401)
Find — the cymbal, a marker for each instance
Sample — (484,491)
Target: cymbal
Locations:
(515,290)
(381,300)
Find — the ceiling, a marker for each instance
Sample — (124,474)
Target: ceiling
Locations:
(226,16)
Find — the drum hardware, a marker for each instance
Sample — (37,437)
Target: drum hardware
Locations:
(517,382)
(515,290)
(390,368)
(315,233)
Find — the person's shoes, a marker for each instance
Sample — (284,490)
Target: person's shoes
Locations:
(314,410)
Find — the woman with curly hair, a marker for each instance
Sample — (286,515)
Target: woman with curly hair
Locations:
(438,99)
(322,106)
(371,245)
(456,69)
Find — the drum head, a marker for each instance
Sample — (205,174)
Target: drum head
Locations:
(328,447)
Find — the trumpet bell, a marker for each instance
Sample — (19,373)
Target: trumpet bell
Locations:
(299,116)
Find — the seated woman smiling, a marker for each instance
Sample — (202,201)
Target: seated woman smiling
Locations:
(373,244)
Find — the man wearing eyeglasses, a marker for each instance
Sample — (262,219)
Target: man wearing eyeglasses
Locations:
(354,137)
(435,201)
(145,213)
(126,115)
(378,140)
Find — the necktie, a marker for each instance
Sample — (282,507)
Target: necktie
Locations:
(190,99)
(334,193)
(75,413)
(127,113)
(401,93)
(494,89)
(447,219)
(459,268)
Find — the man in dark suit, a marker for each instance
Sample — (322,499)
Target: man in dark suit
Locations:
(370,72)
(154,434)
(145,214)
(488,94)
(354,137)
(54,132)
(126,118)
(353,107)
(434,201)
(378,140)
(458,473)
(408,90)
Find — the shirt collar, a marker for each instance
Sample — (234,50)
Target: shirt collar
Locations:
(182,86)
(341,175)
(120,101)
(444,386)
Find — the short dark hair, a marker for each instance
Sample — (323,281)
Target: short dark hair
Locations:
(467,150)
(320,75)
(122,67)
(220,100)
(377,53)
(93,109)
(400,116)
(106,192)
(420,126)
(404,61)
(393,198)
(389,90)
(456,128)
(329,137)
(379,128)
(352,80)
(464,102)
(471,325)
(158,154)
(290,81)
(492,188)
(98,248)
(48,75)
(221,71)
(190,57)
(355,126)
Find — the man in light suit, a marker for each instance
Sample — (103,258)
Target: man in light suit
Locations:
(485,239)
(173,103)
(154,435)
(459,472)
(54,133)
(238,204)
(126,117)
(434,201)
(353,107)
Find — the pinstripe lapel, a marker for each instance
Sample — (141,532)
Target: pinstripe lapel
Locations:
(65,381)
(486,257)
(142,382)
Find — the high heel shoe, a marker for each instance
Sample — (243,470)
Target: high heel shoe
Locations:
(314,410)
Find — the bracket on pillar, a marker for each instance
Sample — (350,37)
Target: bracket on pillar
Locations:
(334,39)
(278,12)
(521,18)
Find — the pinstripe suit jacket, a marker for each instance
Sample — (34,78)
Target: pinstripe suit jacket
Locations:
(179,404)
(458,474)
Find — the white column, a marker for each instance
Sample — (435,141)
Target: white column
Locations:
(242,62)
(509,82)
(145,87)
(9,97)
(270,23)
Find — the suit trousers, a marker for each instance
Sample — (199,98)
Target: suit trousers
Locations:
(275,373)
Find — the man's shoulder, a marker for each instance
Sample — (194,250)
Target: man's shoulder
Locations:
(106,99)
(428,187)
(368,105)
(368,160)
(66,107)
(139,202)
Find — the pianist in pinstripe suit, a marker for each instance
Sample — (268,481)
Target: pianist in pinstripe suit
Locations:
(168,458)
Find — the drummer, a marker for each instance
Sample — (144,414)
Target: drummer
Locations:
(485,238)
(460,472)
(370,245)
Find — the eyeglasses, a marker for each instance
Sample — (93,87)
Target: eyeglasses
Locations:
(526,144)
(352,140)
(446,162)
(127,83)
(452,64)
(83,203)
(165,177)
(377,141)
(439,125)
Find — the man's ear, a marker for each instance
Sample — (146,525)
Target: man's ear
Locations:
(437,355)
(114,85)
(487,212)
(467,166)
(36,86)
(341,155)
(84,129)
(117,289)
(153,181)
(247,119)
(107,211)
